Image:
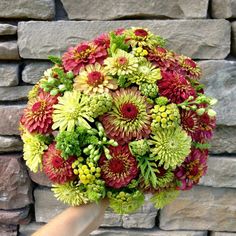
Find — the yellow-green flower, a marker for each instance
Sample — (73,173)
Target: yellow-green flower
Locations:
(33,149)
(72,109)
(122,63)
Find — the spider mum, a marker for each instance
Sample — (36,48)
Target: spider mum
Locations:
(37,116)
(118,171)
(129,118)
(82,55)
(93,79)
(175,87)
(55,167)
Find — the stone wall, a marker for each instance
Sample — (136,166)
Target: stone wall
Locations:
(30,30)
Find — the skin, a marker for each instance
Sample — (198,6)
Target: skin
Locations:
(75,221)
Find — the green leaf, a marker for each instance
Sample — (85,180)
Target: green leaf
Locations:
(55,59)
(117,41)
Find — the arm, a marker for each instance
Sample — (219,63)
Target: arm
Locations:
(75,221)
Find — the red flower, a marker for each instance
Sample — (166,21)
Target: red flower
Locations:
(120,169)
(82,55)
(55,167)
(37,116)
(175,87)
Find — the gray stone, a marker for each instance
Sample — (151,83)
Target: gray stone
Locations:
(40,178)
(223,9)
(233,43)
(8,230)
(33,71)
(9,50)
(202,39)
(202,208)
(220,80)
(221,172)
(28,230)
(9,74)
(7,29)
(15,185)
(18,93)
(10,144)
(224,140)
(16,216)
(97,10)
(21,9)
(10,116)
(222,234)
(140,232)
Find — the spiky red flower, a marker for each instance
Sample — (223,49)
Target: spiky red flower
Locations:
(37,115)
(193,168)
(82,55)
(118,171)
(175,87)
(56,168)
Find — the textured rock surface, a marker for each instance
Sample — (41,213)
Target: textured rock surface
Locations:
(40,178)
(28,230)
(9,121)
(9,74)
(153,232)
(234,38)
(220,80)
(10,144)
(222,234)
(46,207)
(97,10)
(18,93)
(15,185)
(210,39)
(9,50)
(7,29)
(221,172)
(18,216)
(224,140)
(35,9)
(33,71)
(202,208)
(8,230)
(223,8)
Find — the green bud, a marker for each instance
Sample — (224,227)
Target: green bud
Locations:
(213,101)
(54,92)
(211,113)
(200,111)
(70,75)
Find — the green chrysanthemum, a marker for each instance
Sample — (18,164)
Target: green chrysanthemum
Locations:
(149,90)
(122,63)
(170,146)
(125,203)
(139,148)
(72,109)
(161,101)
(34,146)
(70,193)
(164,177)
(165,116)
(164,197)
(100,104)
(146,73)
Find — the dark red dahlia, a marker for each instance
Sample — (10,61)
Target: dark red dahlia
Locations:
(56,168)
(193,168)
(175,87)
(120,169)
(102,40)
(82,55)
(37,115)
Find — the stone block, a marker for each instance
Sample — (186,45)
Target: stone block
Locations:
(28,230)
(8,230)
(15,184)
(9,74)
(10,144)
(97,10)
(7,29)
(233,43)
(33,9)
(223,9)
(222,234)
(40,178)
(201,39)
(202,208)
(18,93)
(9,50)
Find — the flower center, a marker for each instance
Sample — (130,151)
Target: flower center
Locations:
(82,52)
(141,32)
(116,165)
(95,78)
(57,162)
(38,106)
(162,172)
(129,111)
(122,60)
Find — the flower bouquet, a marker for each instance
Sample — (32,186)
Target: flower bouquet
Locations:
(118,117)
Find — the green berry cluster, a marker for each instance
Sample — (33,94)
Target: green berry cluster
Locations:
(96,190)
(166,116)
(139,148)
(140,52)
(149,90)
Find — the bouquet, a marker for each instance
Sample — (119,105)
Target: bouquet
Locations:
(118,117)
